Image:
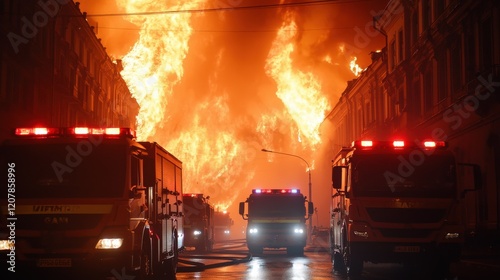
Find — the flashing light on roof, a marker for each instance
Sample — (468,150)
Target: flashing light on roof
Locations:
(366,143)
(429,144)
(276,191)
(76,131)
(35,131)
(434,144)
(398,144)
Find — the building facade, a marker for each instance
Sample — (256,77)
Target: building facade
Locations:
(55,72)
(437,77)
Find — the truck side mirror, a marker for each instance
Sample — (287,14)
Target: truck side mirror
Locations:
(242,209)
(477,180)
(337,177)
(310,208)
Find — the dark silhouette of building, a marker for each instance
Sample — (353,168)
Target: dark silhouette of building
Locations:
(55,72)
(437,77)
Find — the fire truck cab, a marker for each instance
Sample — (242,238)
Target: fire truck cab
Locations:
(276,219)
(198,222)
(397,202)
(89,202)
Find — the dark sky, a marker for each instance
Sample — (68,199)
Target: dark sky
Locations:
(214,101)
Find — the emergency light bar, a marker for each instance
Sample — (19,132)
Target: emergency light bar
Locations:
(193,195)
(396,144)
(73,131)
(275,191)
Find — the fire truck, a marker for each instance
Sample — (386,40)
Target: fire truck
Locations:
(398,202)
(276,219)
(198,222)
(222,225)
(89,202)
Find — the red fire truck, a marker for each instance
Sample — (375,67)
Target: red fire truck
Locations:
(198,222)
(89,202)
(396,201)
(222,226)
(276,219)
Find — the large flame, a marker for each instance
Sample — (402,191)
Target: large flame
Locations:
(355,68)
(215,147)
(299,91)
(154,65)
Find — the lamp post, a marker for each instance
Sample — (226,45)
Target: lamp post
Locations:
(310,184)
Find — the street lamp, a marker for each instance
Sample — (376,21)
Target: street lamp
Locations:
(310,185)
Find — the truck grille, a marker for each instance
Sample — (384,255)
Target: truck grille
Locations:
(406,233)
(406,215)
(58,222)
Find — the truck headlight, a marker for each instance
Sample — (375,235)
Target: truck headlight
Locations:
(298,230)
(253,231)
(197,232)
(109,243)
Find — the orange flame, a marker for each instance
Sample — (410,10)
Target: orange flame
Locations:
(299,91)
(154,65)
(355,68)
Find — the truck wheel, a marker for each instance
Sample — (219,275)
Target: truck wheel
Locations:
(171,263)
(353,264)
(355,267)
(338,263)
(254,250)
(145,271)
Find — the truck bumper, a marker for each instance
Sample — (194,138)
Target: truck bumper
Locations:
(276,241)
(405,252)
(73,266)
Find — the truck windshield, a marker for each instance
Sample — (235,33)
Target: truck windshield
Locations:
(67,170)
(394,175)
(276,206)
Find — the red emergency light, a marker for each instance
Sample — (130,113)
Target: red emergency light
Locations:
(397,144)
(74,131)
(193,195)
(36,131)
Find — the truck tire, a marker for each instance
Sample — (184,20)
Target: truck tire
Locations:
(170,264)
(353,263)
(338,263)
(145,272)
(255,250)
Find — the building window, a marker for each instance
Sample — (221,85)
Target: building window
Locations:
(456,68)
(392,53)
(428,90)
(486,46)
(442,81)
(438,8)
(400,46)
(414,29)
(426,15)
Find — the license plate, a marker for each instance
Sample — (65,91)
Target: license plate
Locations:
(54,262)
(407,249)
